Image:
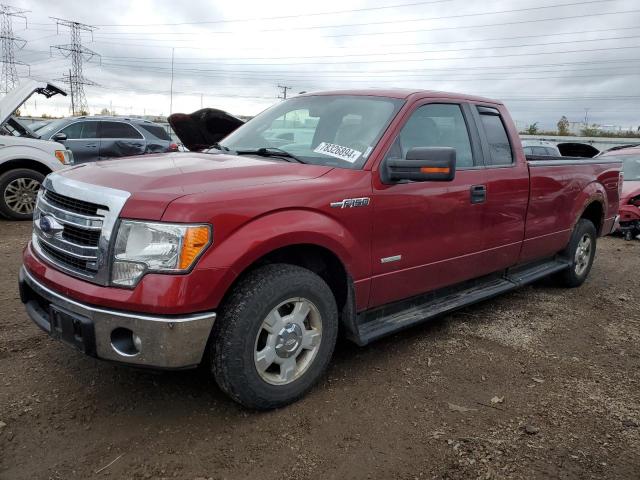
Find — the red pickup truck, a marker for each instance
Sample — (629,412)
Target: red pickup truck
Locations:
(353,212)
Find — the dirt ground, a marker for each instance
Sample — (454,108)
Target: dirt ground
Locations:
(562,368)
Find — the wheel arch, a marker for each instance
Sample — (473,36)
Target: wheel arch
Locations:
(27,163)
(594,211)
(317,258)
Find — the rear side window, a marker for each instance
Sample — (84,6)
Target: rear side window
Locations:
(497,137)
(155,130)
(118,130)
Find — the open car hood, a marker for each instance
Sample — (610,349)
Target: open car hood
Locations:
(577,149)
(16,97)
(202,128)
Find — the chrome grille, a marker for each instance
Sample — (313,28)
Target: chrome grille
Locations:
(83,217)
(76,245)
(72,205)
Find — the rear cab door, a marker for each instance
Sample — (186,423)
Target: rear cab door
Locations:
(507,184)
(119,139)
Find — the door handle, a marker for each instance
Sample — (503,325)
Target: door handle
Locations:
(478,193)
(91,145)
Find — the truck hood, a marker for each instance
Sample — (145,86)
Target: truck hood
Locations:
(16,97)
(155,180)
(203,128)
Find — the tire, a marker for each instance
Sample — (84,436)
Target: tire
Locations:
(258,327)
(13,185)
(584,235)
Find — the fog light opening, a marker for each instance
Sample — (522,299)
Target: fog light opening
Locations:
(125,342)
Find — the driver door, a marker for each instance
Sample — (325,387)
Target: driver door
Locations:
(428,235)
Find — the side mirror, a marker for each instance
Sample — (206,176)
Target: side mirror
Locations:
(423,164)
(59,137)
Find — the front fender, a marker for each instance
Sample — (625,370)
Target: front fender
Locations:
(276,230)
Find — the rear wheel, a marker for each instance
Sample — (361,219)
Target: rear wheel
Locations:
(18,193)
(580,252)
(274,337)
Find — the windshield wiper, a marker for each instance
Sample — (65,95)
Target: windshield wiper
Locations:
(217,146)
(271,152)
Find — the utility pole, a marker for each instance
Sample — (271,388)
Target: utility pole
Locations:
(284,92)
(173,50)
(9,42)
(78,54)
(586,117)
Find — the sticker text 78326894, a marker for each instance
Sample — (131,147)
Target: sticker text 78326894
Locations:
(337,151)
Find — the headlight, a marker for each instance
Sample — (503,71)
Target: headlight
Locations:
(65,157)
(143,247)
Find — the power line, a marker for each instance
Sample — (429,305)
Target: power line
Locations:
(424,59)
(78,53)
(9,43)
(192,60)
(280,17)
(541,7)
(422,30)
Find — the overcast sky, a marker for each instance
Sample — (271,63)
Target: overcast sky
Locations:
(543,58)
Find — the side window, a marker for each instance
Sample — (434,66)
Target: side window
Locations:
(528,150)
(89,130)
(540,151)
(551,152)
(73,131)
(497,137)
(118,130)
(435,125)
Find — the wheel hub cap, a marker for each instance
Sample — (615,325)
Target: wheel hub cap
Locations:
(288,341)
(583,255)
(20,195)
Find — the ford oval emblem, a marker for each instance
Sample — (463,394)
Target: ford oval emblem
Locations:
(49,226)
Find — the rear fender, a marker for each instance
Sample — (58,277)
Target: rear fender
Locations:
(593,192)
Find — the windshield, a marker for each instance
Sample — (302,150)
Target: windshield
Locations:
(51,128)
(630,166)
(332,130)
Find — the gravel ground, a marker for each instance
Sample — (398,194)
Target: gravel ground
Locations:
(540,383)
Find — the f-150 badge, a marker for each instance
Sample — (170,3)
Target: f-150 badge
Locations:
(351,203)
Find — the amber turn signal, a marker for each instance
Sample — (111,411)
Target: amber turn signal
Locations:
(435,170)
(195,241)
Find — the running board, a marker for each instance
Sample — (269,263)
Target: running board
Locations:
(379,322)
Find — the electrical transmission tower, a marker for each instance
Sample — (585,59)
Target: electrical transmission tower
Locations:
(9,43)
(78,53)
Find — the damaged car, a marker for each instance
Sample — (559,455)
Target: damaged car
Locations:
(100,138)
(629,222)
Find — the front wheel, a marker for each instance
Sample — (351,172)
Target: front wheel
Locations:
(18,193)
(274,337)
(580,252)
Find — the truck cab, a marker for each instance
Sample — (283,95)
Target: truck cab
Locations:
(363,212)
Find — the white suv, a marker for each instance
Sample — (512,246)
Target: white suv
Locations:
(24,159)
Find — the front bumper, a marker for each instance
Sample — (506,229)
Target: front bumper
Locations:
(161,341)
